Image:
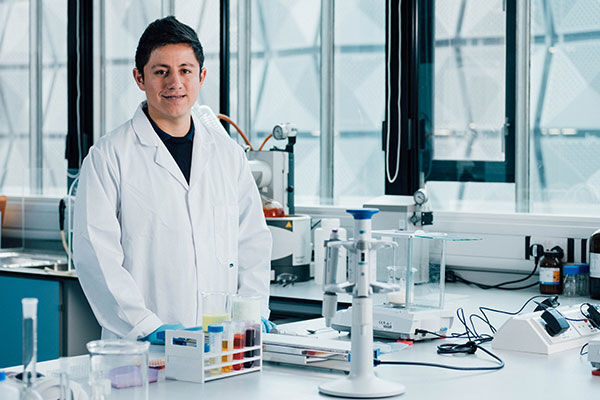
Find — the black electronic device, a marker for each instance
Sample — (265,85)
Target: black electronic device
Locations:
(556,323)
(593,315)
(550,302)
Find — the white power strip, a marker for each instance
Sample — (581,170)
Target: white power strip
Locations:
(527,332)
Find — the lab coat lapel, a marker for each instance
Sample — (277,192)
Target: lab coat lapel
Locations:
(148,137)
(203,149)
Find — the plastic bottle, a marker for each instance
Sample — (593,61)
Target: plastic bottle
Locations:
(583,280)
(322,234)
(595,265)
(551,273)
(570,272)
(8,390)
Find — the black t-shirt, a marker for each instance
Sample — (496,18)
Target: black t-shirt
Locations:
(179,147)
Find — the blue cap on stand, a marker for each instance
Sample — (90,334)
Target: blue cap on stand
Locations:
(2,376)
(362,213)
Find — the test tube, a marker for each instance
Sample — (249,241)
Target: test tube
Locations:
(250,336)
(227,344)
(215,338)
(238,344)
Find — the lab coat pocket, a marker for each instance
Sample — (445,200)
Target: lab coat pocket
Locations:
(226,235)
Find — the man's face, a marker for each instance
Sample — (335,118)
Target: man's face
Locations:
(171,80)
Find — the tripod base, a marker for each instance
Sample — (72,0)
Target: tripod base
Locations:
(362,387)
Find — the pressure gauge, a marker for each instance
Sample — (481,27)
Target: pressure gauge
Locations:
(420,197)
(283,131)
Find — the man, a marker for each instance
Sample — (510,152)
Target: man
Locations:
(166,206)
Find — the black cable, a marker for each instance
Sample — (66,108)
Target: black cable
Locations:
(581,353)
(451,276)
(471,346)
(486,319)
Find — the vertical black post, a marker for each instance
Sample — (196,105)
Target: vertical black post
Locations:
(224,61)
(80,80)
(410,68)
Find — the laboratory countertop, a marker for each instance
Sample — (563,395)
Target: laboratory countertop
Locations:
(525,376)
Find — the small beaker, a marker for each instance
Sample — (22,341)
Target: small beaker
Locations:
(119,368)
(245,308)
(216,308)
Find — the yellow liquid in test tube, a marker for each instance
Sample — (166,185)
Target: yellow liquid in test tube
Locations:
(226,358)
(215,318)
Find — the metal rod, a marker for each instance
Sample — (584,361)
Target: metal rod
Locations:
(35,97)
(243,66)
(522,137)
(327,107)
(167,7)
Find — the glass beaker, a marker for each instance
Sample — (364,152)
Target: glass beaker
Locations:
(119,369)
(245,308)
(216,308)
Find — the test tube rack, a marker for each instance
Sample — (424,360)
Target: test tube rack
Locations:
(186,360)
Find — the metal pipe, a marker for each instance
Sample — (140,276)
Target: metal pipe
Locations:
(243,66)
(522,137)
(327,107)
(167,7)
(35,97)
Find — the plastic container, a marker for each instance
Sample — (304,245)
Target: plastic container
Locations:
(583,280)
(322,234)
(215,340)
(118,365)
(570,272)
(551,273)
(8,390)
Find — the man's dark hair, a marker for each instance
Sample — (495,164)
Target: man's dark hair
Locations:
(162,32)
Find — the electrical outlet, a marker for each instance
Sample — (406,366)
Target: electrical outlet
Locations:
(549,242)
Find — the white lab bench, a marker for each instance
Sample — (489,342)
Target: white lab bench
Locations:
(525,376)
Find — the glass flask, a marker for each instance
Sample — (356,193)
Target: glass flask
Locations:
(119,369)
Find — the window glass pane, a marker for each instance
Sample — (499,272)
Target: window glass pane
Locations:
(54,96)
(125,23)
(285,83)
(469,101)
(565,94)
(359,84)
(15,97)
(469,88)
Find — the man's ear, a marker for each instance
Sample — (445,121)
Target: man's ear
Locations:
(139,79)
(202,76)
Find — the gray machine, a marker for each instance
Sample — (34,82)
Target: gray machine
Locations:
(273,171)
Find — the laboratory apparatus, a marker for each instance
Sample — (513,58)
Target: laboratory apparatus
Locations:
(532,333)
(245,308)
(216,308)
(29,376)
(594,356)
(362,381)
(406,214)
(188,358)
(413,306)
(118,364)
(291,247)
(273,171)
(321,236)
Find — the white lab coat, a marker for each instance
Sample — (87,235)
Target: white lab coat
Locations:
(146,244)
